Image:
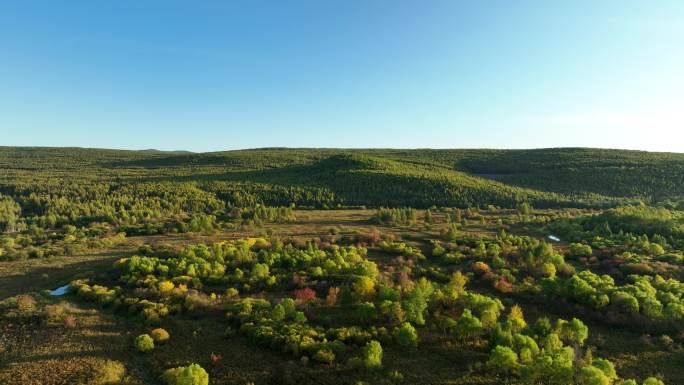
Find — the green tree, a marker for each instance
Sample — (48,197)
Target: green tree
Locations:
(655,249)
(591,375)
(278,313)
(452,232)
(364,288)
(393,312)
(493,250)
(456,286)
(366,312)
(526,344)
(415,306)
(372,355)
(554,367)
(516,319)
(468,326)
(428,217)
(652,308)
(524,208)
(625,302)
(480,251)
(574,331)
(406,335)
(606,367)
(260,271)
(9,213)
(627,382)
(503,359)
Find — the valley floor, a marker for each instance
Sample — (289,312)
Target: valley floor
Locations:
(38,350)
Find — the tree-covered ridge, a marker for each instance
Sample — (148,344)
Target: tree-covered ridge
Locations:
(565,170)
(373,181)
(343,177)
(569,170)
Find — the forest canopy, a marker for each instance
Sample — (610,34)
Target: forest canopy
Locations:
(79,186)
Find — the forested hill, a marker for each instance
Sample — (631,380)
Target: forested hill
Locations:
(333,177)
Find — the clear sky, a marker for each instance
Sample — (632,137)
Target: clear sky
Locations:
(218,75)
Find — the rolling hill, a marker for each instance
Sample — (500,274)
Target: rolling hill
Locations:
(353,177)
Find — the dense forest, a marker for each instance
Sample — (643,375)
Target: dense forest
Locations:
(82,185)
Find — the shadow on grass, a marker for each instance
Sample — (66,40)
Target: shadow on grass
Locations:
(48,277)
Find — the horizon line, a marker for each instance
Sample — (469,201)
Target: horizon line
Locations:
(338,148)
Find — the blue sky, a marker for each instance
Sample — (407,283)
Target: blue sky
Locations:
(218,75)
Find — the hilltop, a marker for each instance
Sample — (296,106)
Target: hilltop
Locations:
(562,177)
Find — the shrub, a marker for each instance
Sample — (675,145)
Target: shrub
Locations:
(480,268)
(331,298)
(396,376)
(70,321)
(278,313)
(165,286)
(372,355)
(653,381)
(325,356)
(304,295)
(578,250)
(159,335)
(547,270)
(26,304)
(666,341)
(438,250)
(197,302)
(54,313)
(232,292)
(186,375)
(406,335)
(109,373)
(215,358)
(144,343)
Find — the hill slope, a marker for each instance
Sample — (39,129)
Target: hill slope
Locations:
(373,177)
